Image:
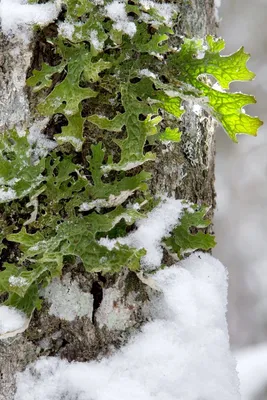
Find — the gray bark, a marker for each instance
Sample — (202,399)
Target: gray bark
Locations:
(110,309)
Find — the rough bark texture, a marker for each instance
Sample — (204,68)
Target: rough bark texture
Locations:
(109,308)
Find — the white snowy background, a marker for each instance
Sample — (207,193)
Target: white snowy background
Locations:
(240,222)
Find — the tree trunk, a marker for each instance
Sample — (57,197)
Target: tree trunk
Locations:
(109,308)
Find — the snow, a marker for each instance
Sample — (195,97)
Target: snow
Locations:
(17,13)
(98,45)
(7,194)
(252,370)
(17,281)
(116,11)
(11,321)
(151,230)
(77,143)
(182,354)
(112,201)
(40,144)
(66,29)
(165,10)
(146,72)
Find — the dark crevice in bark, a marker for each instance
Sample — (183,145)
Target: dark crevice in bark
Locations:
(97,292)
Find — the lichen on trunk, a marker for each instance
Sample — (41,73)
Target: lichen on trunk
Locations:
(111,306)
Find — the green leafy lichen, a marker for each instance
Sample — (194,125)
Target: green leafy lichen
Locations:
(226,107)
(183,240)
(20,172)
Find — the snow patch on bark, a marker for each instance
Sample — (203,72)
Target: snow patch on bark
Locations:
(183,354)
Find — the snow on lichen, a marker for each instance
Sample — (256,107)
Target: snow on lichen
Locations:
(117,12)
(12,321)
(40,144)
(182,354)
(112,201)
(66,29)
(17,281)
(15,14)
(7,194)
(94,40)
(151,230)
(67,300)
(146,72)
(77,143)
(166,10)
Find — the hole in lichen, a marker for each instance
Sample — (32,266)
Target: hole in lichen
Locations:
(164,79)
(135,80)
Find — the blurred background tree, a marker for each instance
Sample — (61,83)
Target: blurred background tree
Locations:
(241,217)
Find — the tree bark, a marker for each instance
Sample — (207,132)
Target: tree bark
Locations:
(111,307)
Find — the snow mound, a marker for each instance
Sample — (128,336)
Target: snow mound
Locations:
(183,354)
